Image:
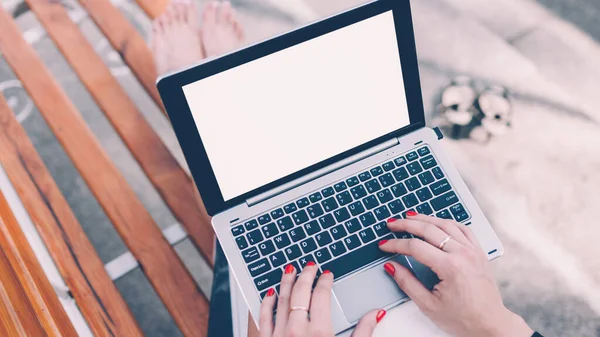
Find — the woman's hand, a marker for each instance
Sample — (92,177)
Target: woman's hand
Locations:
(296,301)
(466,302)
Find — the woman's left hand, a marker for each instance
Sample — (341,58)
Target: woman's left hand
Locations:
(302,313)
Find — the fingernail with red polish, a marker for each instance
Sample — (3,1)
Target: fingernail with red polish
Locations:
(310,264)
(327,272)
(389,268)
(380,315)
(289,269)
(412,213)
(270,292)
(391,220)
(383,242)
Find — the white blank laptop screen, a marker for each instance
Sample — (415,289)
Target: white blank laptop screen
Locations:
(274,116)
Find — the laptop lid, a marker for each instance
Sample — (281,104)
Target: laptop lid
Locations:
(267,114)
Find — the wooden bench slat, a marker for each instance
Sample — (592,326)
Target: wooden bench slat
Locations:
(127,42)
(171,181)
(96,295)
(153,8)
(31,290)
(165,271)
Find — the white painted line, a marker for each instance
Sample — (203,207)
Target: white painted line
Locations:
(175,234)
(120,266)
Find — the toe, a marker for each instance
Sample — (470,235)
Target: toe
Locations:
(225,13)
(209,15)
(191,12)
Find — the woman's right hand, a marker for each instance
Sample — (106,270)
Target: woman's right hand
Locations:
(466,302)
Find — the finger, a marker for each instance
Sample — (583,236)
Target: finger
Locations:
(429,232)
(409,283)
(320,304)
(367,323)
(301,298)
(283,304)
(422,251)
(469,234)
(448,226)
(265,320)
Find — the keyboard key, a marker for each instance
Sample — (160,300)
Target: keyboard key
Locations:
(352,181)
(254,236)
(437,172)
(388,166)
(414,168)
(341,214)
(356,208)
(312,227)
(250,254)
(459,212)
(375,171)
(277,259)
(352,261)
(297,234)
(237,230)
(352,241)
(241,242)
(410,200)
(367,219)
(276,214)
(424,194)
(367,235)
(302,203)
(382,213)
(268,280)
(329,204)
(337,248)
(364,176)
(259,267)
(270,230)
(266,248)
(440,187)
(412,184)
(328,192)
(305,260)
(399,190)
(381,229)
(423,151)
(396,206)
(340,186)
(358,192)
(400,174)
(300,217)
(322,255)
(384,196)
(370,202)
(426,178)
(400,161)
(323,239)
(314,211)
(344,198)
(352,225)
(292,252)
(326,221)
(308,245)
(387,180)
(282,241)
(404,235)
(372,186)
(285,223)
(290,208)
(424,209)
(315,197)
(428,162)
(444,200)
(338,232)
(250,225)
(445,214)
(412,156)
(263,219)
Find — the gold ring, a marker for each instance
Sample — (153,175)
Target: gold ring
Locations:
(444,242)
(298,308)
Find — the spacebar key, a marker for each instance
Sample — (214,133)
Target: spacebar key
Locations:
(356,259)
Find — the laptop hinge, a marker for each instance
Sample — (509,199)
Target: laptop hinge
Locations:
(319,173)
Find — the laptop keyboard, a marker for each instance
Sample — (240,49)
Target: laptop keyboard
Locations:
(339,227)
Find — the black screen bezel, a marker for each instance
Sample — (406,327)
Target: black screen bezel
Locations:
(171,91)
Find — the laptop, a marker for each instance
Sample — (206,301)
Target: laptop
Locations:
(302,146)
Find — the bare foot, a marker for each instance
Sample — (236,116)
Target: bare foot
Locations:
(221,32)
(175,37)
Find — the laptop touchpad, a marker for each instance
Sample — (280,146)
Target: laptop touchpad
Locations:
(368,290)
